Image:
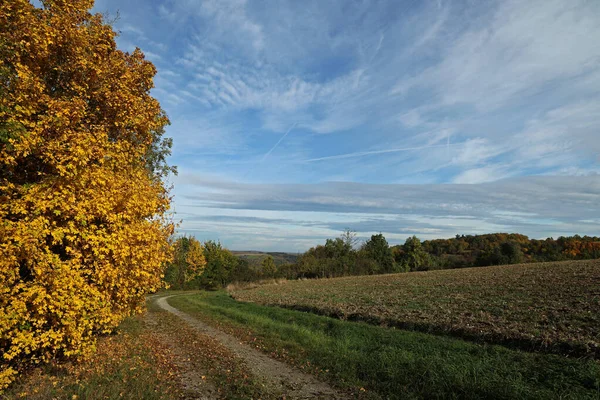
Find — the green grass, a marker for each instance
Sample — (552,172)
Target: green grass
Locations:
(394,363)
(550,307)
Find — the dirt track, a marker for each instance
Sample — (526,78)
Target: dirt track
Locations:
(283,378)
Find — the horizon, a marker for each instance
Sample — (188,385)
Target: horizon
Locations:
(362,240)
(294,121)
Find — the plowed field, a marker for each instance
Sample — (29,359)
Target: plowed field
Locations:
(547,306)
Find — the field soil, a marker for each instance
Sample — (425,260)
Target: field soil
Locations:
(549,307)
(280,378)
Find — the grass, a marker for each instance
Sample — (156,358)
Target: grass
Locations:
(393,363)
(127,365)
(548,306)
(143,361)
(230,377)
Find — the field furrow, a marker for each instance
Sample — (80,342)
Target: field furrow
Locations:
(547,306)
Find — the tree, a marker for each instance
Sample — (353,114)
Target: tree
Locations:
(414,257)
(83,230)
(188,262)
(378,249)
(243,272)
(511,253)
(349,238)
(220,264)
(268,267)
(309,264)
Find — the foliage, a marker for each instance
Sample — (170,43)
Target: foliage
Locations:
(211,266)
(413,257)
(83,232)
(377,248)
(220,265)
(243,272)
(335,258)
(505,248)
(269,270)
(340,257)
(188,262)
(505,253)
(534,306)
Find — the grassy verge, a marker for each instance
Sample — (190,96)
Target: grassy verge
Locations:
(127,365)
(551,307)
(394,363)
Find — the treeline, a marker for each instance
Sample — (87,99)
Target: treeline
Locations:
(509,248)
(211,266)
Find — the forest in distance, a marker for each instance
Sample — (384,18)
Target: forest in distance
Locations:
(209,265)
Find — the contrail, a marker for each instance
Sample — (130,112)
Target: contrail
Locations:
(367,153)
(277,144)
(249,171)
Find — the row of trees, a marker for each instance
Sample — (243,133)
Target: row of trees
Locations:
(341,257)
(209,265)
(504,248)
(344,256)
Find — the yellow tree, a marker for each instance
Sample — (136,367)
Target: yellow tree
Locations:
(195,260)
(83,231)
(188,263)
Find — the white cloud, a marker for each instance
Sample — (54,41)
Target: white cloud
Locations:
(305,214)
(481,175)
(477,151)
(525,45)
(230,15)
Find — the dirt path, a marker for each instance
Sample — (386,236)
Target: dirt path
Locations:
(293,383)
(192,378)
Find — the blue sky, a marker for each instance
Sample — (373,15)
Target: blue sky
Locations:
(293,120)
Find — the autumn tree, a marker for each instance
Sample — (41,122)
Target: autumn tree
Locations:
(83,232)
(188,262)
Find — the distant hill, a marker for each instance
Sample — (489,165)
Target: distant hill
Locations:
(255,257)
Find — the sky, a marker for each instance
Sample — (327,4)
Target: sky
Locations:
(293,120)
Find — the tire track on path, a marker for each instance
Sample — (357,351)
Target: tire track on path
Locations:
(293,383)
